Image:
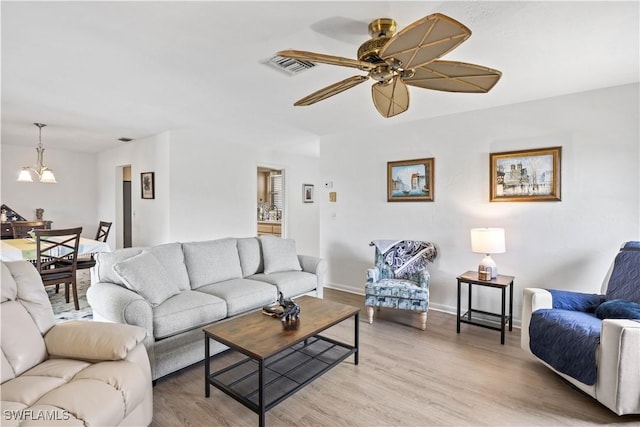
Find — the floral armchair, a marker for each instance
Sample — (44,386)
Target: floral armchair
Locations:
(400,279)
(592,340)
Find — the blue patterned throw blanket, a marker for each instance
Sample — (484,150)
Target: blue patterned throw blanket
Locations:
(405,257)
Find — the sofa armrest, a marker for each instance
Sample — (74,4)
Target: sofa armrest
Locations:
(92,341)
(317,266)
(618,384)
(533,299)
(114,303)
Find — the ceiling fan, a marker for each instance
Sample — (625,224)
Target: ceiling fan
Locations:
(409,57)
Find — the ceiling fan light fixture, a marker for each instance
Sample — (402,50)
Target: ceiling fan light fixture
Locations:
(45,174)
(408,57)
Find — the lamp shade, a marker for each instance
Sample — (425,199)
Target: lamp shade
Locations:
(25,176)
(487,240)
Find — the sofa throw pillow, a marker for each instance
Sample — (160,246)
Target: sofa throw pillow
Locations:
(171,257)
(145,275)
(618,309)
(279,254)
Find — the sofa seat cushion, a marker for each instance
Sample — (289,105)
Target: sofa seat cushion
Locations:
(242,294)
(185,311)
(566,340)
(290,283)
(103,393)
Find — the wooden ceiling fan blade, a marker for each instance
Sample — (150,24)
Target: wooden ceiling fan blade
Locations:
(326,59)
(425,40)
(331,90)
(390,98)
(453,76)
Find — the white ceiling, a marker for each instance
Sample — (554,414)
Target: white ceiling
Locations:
(97,71)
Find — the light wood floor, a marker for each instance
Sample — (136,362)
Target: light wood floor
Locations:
(405,377)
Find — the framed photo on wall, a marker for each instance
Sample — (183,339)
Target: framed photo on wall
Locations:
(147,185)
(525,175)
(410,180)
(307,193)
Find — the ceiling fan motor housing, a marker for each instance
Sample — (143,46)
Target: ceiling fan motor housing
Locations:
(381,30)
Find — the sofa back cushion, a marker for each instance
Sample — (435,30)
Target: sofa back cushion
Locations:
(171,257)
(212,261)
(145,275)
(279,254)
(25,316)
(250,253)
(624,283)
(104,272)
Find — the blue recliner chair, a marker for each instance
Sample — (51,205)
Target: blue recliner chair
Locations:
(592,340)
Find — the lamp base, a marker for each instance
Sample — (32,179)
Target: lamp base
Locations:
(488,265)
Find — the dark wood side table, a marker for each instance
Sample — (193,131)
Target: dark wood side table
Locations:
(487,319)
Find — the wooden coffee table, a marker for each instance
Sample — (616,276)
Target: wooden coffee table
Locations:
(279,362)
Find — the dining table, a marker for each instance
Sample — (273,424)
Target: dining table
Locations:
(25,248)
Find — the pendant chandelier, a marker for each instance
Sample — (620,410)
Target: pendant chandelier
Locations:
(44,173)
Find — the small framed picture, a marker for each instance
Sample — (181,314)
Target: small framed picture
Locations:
(410,180)
(307,193)
(525,175)
(147,185)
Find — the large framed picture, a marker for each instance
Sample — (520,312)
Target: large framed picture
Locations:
(525,175)
(147,185)
(410,180)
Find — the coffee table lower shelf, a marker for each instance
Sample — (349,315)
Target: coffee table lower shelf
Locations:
(284,373)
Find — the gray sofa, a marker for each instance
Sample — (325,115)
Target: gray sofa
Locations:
(174,290)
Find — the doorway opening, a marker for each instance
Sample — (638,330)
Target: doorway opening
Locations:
(126,207)
(270,201)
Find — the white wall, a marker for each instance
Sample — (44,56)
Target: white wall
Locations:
(69,203)
(567,245)
(150,222)
(205,188)
(214,185)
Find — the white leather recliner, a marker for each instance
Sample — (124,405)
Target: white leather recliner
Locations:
(79,373)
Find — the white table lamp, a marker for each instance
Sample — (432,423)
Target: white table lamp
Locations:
(488,241)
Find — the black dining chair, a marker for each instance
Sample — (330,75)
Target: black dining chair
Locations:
(57,255)
(102,234)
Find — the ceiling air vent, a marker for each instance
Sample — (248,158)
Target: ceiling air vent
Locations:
(290,66)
